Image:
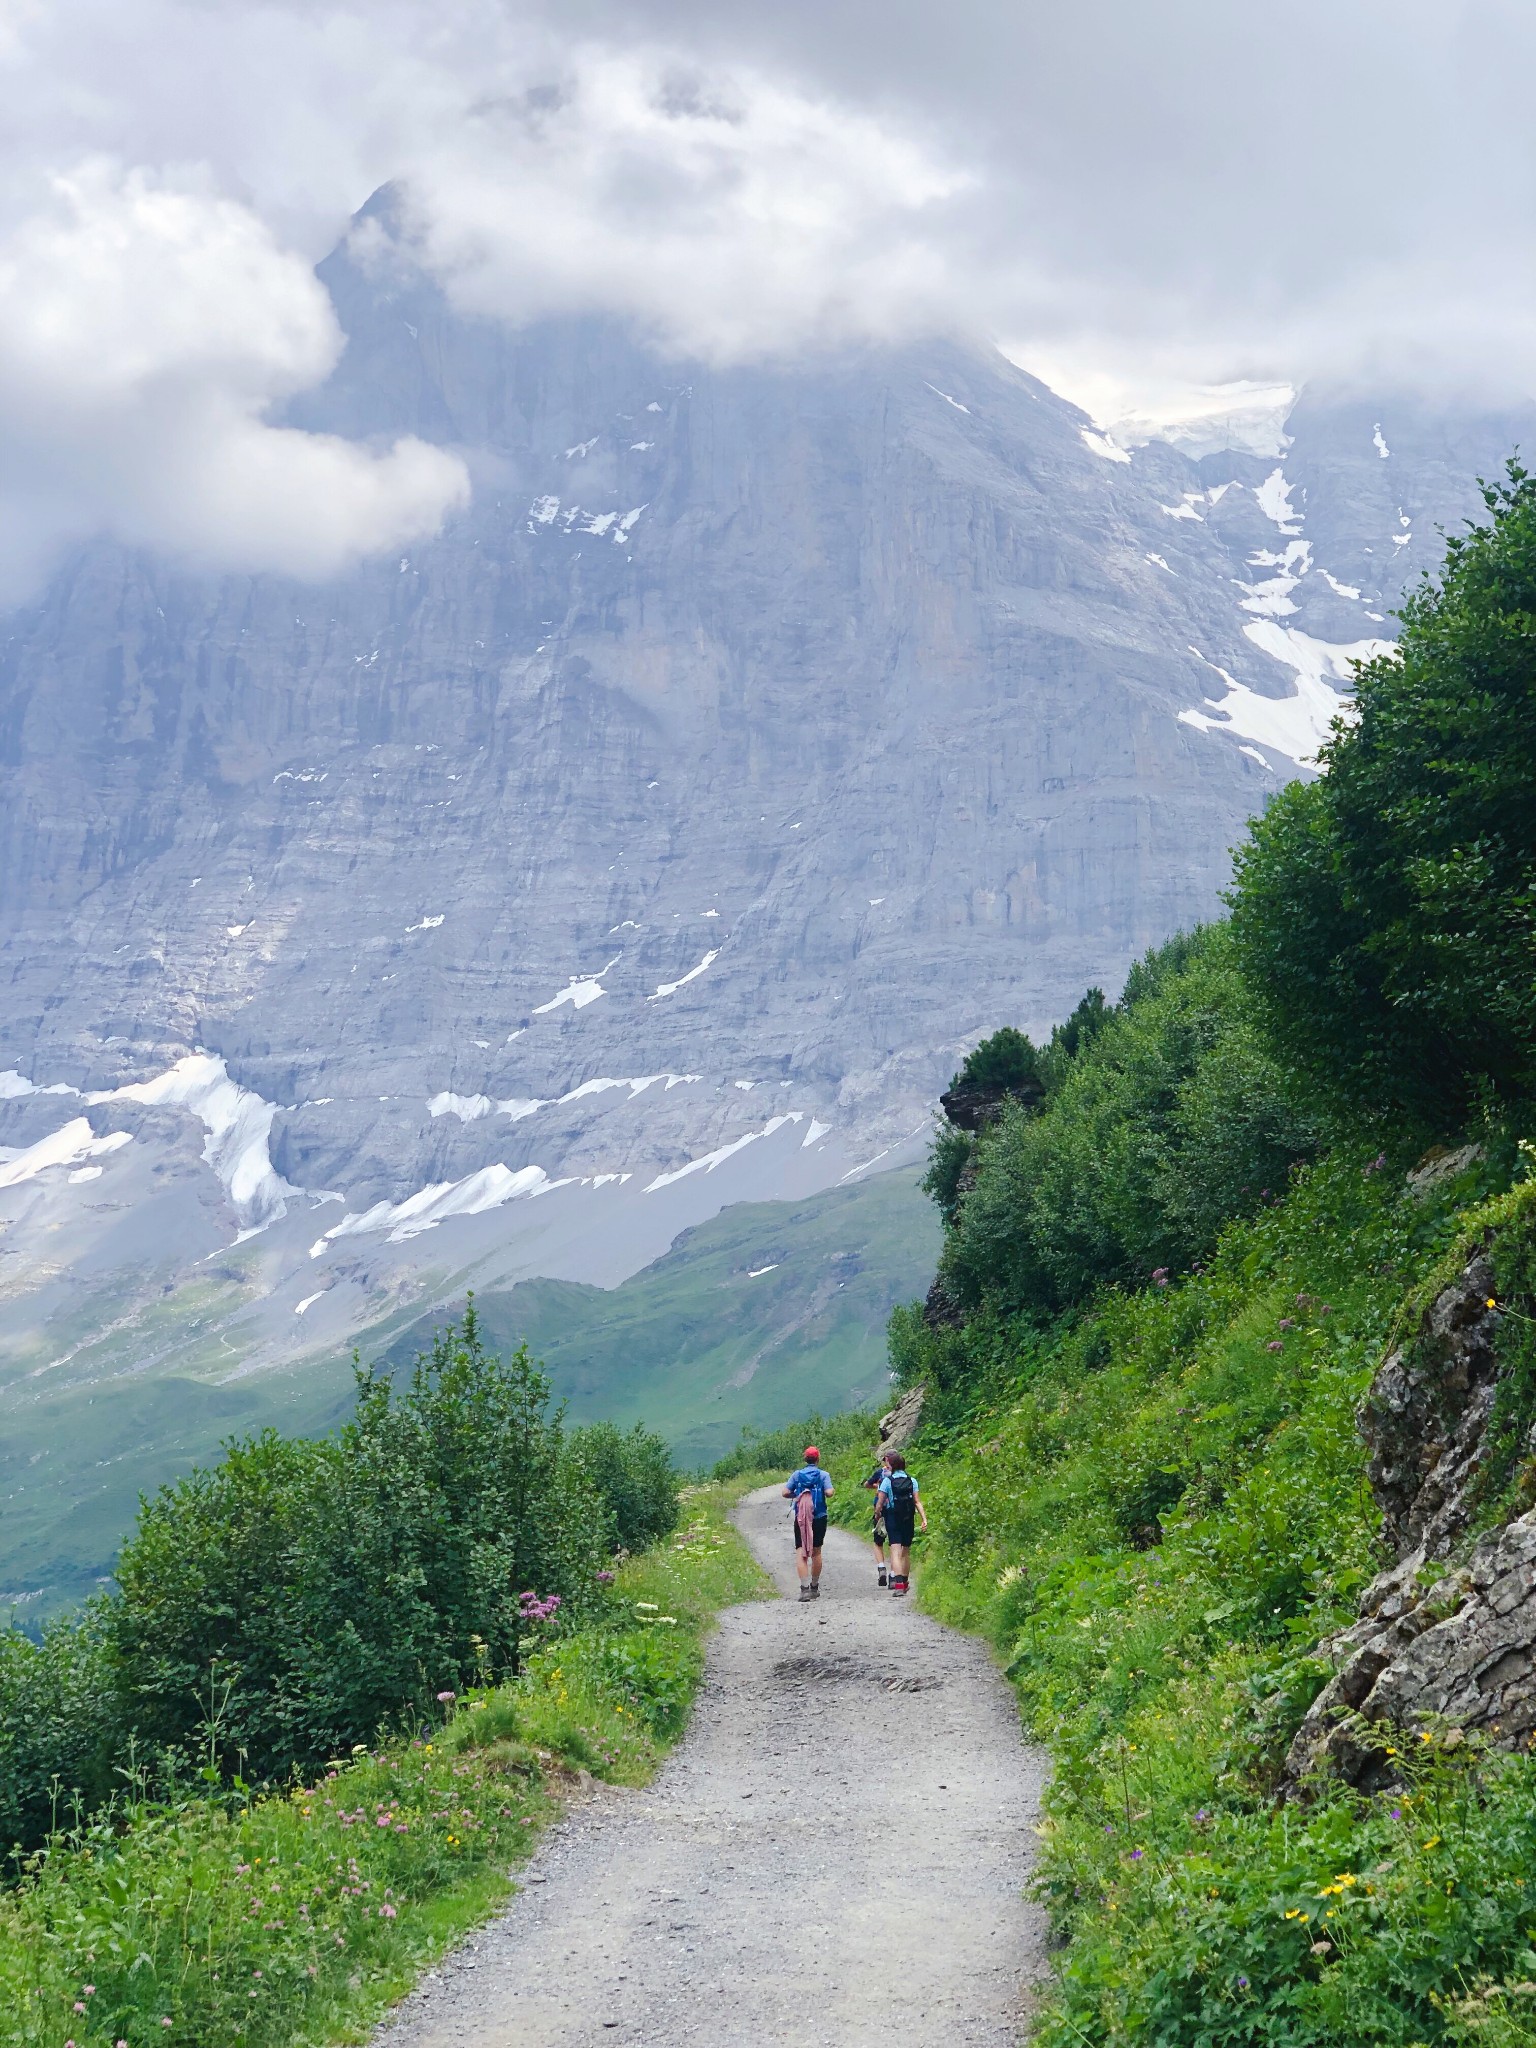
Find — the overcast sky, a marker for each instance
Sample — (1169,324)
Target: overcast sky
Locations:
(1132,198)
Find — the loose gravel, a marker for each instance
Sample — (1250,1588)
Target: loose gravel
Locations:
(837,1849)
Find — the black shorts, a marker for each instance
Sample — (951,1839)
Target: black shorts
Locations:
(899,1528)
(818,1531)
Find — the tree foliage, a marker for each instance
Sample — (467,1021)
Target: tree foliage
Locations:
(1170,1119)
(302,1594)
(1385,915)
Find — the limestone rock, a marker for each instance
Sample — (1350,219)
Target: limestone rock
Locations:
(1432,1648)
(1426,1415)
(898,1428)
(1458,1654)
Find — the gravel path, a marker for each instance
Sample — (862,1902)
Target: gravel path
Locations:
(846,1827)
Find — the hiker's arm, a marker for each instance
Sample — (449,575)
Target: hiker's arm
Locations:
(784,1490)
(831,1489)
(922,1512)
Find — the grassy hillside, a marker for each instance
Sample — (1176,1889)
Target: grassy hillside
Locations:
(770,1309)
(694,1346)
(1180,1241)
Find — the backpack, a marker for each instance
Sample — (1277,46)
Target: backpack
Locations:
(903,1491)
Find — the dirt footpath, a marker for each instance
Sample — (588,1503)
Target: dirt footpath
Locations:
(836,1851)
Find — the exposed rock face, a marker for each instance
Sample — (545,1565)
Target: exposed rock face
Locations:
(971,1108)
(1457,1649)
(1426,1415)
(898,1428)
(753,742)
(1458,1654)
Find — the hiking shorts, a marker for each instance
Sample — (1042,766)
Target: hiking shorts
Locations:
(818,1531)
(899,1527)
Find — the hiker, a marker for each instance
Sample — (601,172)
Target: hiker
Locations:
(872,1485)
(809,1489)
(898,1489)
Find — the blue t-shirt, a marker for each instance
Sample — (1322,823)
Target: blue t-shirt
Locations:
(886,1493)
(812,1480)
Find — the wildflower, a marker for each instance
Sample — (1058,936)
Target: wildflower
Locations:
(1274,1344)
(443,1698)
(1287,1322)
(1136,1855)
(1160,1276)
(605,1578)
(387,1912)
(78,2006)
(1242,1983)
(87,1990)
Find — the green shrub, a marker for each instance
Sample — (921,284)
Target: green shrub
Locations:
(60,1724)
(301,1596)
(1006,1060)
(837,1437)
(633,1474)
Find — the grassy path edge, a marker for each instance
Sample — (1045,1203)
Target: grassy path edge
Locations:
(297,1921)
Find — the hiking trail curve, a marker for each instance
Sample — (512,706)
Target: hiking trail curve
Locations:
(837,1848)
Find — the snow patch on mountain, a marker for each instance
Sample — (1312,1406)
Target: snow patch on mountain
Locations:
(488,1189)
(67,1146)
(711,1160)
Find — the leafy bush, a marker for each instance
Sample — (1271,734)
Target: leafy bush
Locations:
(300,1916)
(633,1474)
(948,1158)
(302,1595)
(60,1724)
(1005,1060)
(1385,915)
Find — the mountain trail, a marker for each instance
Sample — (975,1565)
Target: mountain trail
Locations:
(839,1845)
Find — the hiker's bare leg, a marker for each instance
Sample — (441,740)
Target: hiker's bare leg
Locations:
(901,1554)
(802,1565)
(816,1565)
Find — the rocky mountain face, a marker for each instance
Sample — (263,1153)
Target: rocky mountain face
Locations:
(658,836)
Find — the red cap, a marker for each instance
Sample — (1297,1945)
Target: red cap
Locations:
(811,1454)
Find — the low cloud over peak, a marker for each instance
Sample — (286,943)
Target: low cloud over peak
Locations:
(1187,197)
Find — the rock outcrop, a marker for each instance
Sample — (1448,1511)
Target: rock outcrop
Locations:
(970,1107)
(1435,1649)
(1426,1417)
(899,1426)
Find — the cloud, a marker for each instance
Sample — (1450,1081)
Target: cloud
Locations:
(1144,202)
(150,326)
(730,214)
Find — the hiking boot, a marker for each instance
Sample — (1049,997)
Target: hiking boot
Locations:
(805,1594)
(815,1589)
(882,1578)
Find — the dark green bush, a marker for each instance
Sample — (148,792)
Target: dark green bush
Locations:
(1005,1060)
(1385,915)
(302,1595)
(60,1724)
(633,1474)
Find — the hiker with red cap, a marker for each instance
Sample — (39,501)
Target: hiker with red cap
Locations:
(809,1488)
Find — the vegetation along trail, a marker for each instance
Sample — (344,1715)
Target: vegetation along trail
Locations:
(849,1818)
